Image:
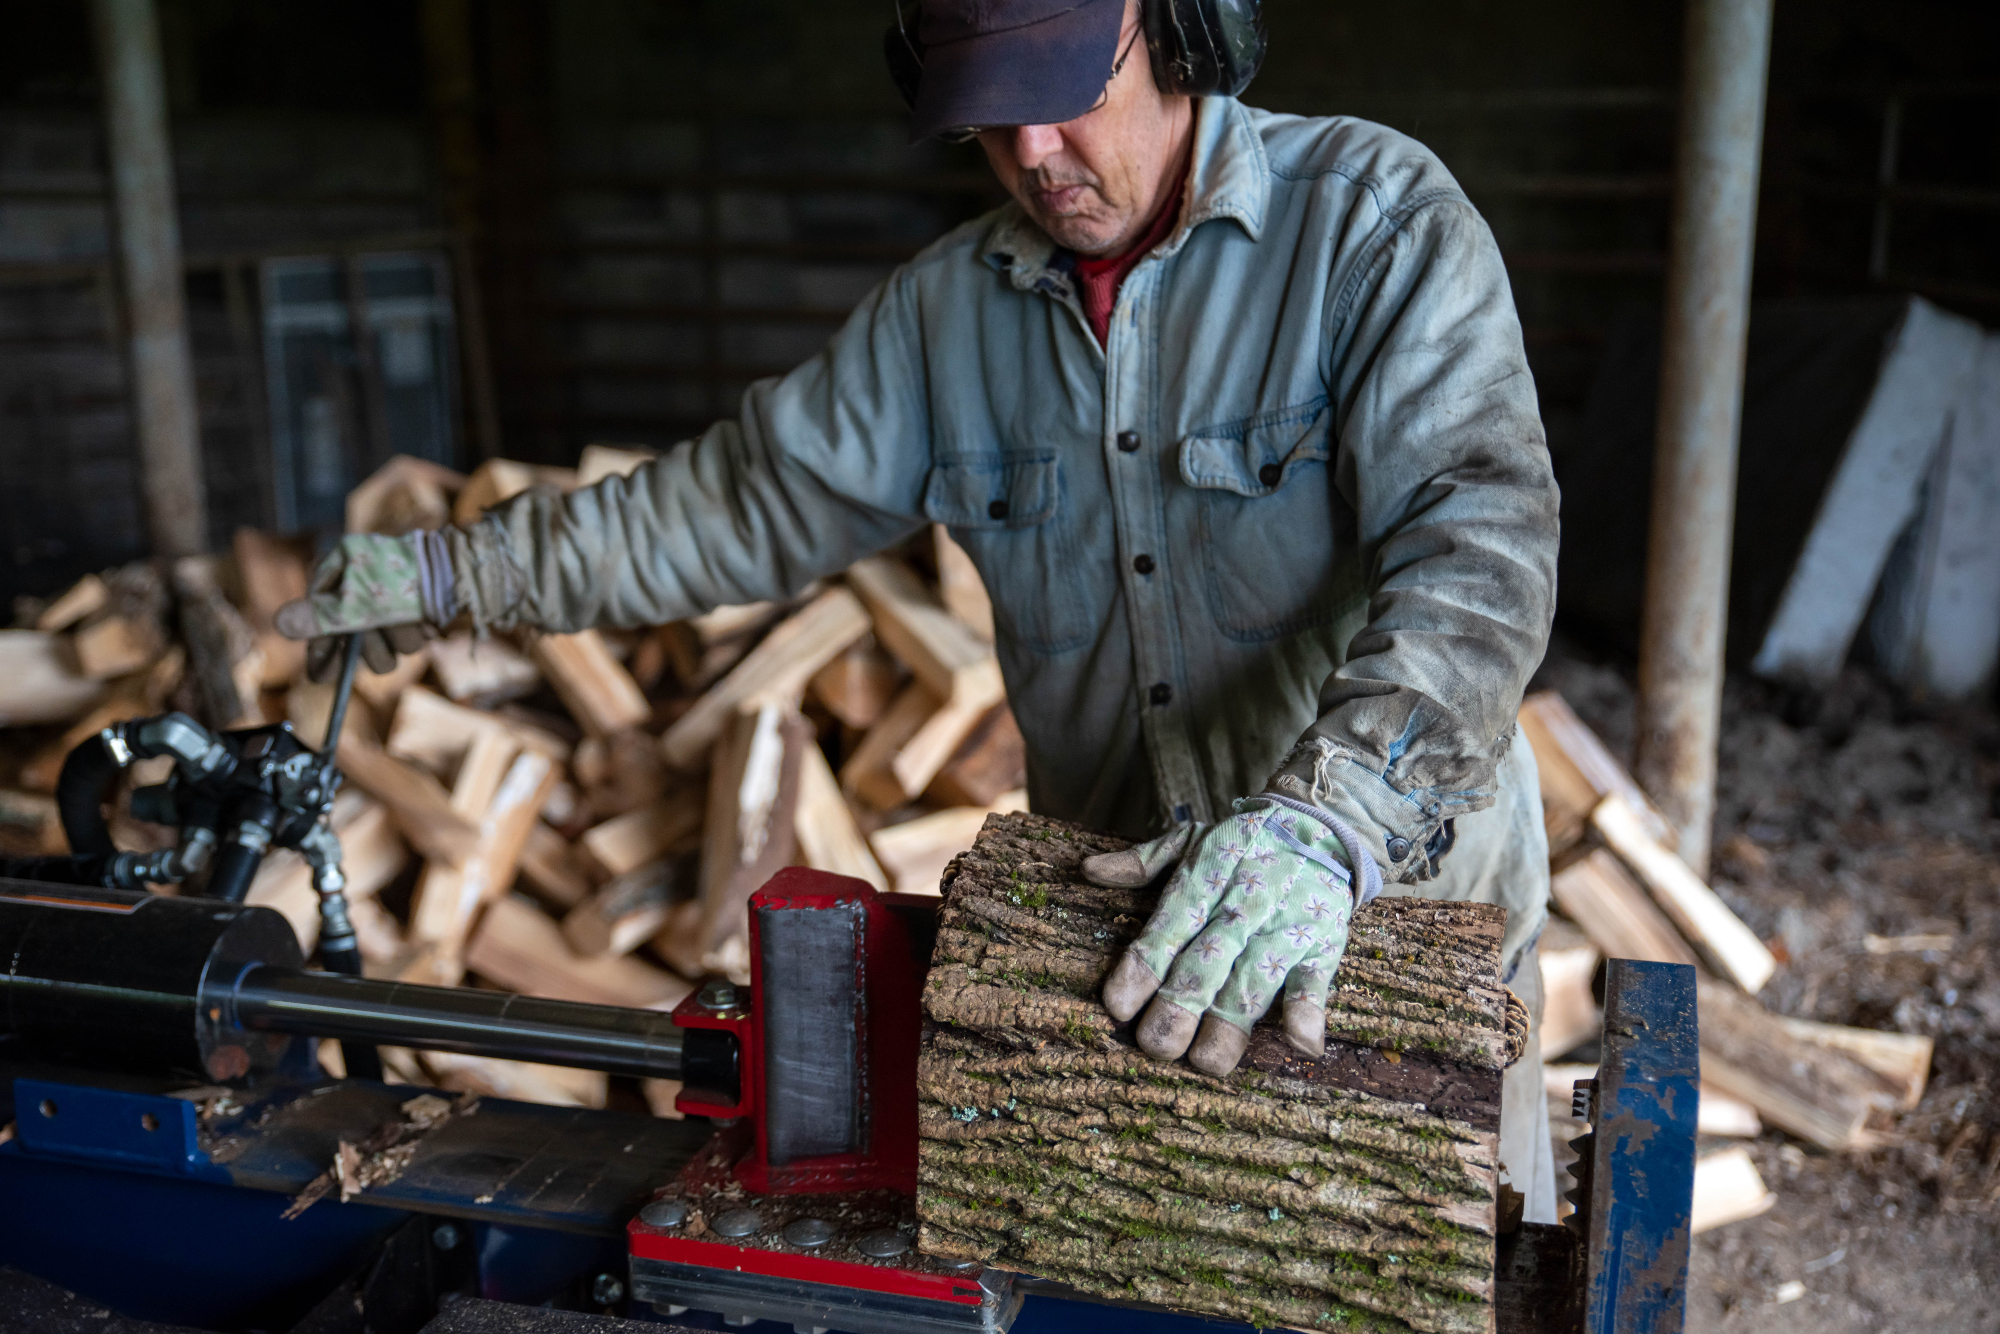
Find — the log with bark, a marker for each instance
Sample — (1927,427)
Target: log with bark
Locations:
(1351,1192)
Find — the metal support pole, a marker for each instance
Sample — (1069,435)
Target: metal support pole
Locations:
(149,253)
(1701,408)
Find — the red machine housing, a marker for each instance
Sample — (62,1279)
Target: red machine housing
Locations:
(888,1021)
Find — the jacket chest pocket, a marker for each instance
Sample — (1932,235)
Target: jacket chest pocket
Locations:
(1011,514)
(1277,539)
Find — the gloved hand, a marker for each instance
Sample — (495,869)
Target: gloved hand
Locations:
(1260,900)
(399,590)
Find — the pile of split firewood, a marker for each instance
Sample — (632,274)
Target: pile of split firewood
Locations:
(1621,892)
(574,816)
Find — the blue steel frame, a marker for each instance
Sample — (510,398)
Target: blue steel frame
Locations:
(1637,1196)
(110,1194)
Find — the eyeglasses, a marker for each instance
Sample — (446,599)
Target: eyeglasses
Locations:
(966,134)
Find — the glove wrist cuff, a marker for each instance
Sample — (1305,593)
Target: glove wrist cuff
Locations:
(437,584)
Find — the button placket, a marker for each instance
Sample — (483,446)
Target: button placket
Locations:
(1130,402)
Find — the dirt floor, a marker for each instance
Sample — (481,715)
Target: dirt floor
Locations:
(1843,820)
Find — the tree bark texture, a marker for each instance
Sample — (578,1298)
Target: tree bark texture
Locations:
(1350,1192)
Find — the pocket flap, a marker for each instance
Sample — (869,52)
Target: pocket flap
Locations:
(994,491)
(1256,456)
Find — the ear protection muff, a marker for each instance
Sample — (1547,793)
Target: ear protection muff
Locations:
(1197,47)
(1204,46)
(904,52)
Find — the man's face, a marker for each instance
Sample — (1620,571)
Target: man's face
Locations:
(1093,183)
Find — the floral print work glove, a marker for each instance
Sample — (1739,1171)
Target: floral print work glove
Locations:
(1257,903)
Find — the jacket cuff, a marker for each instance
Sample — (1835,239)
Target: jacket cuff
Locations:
(487,579)
(1394,826)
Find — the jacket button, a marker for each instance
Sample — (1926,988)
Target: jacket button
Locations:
(1269,474)
(1161,694)
(997,510)
(1143,564)
(1399,848)
(1128,442)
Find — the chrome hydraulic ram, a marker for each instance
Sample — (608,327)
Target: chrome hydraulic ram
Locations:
(157,985)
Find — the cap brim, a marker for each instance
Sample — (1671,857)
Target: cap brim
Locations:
(1041,74)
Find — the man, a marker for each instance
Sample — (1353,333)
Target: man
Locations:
(1231,411)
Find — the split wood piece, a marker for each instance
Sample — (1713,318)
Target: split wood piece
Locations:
(829,839)
(1707,922)
(499,480)
(382,690)
(992,760)
(1600,896)
(447,899)
(271,571)
(1570,1016)
(117,646)
(31,825)
(416,801)
(918,761)
(660,1095)
(39,680)
(959,585)
(135,697)
(749,835)
(598,462)
(86,597)
(488,670)
(1577,770)
(309,709)
(621,773)
(553,869)
(599,693)
(869,772)
(225,667)
(702,648)
(1727,1189)
(627,912)
(1725,1116)
(913,624)
(520,948)
(519,1081)
(916,852)
(1813,1091)
(371,855)
(777,669)
(403,495)
(1903,1060)
(377,934)
(1351,1191)
(431,731)
(857,685)
(671,825)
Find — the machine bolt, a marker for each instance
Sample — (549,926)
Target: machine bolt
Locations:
(738,1223)
(607,1290)
(1581,1098)
(445,1237)
(883,1244)
(664,1213)
(719,994)
(807,1233)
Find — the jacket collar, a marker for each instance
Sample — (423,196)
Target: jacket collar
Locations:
(1229,178)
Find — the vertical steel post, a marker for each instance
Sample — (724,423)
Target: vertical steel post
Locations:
(149,255)
(1701,407)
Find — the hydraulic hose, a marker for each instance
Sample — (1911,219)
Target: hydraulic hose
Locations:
(81,791)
